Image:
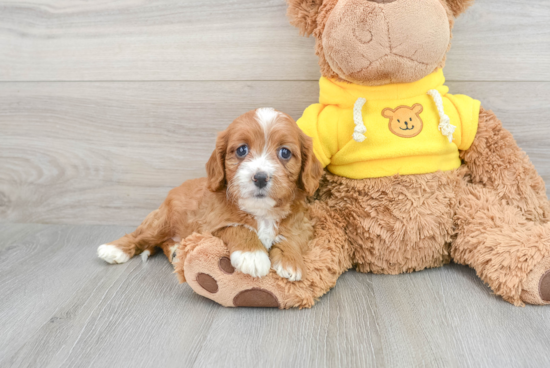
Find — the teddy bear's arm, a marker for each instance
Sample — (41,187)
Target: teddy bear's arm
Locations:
(496,161)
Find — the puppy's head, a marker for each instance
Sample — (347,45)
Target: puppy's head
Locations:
(263,160)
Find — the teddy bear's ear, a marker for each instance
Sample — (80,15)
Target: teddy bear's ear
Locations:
(459,6)
(303,14)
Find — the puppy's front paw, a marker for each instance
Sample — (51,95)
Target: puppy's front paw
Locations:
(111,254)
(289,264)
(290,272)
(255,264)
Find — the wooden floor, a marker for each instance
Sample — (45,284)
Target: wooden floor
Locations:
(63,307)
(105,105)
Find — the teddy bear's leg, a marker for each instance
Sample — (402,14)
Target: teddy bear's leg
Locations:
(502,217)
(203,261)
(509,252)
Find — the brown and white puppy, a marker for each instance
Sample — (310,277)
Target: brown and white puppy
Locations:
(254,198)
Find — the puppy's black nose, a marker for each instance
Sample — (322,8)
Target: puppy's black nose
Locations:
(260,179)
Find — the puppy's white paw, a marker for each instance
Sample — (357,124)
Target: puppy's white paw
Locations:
(111,254)
(288,272)
(145,255)
(255,264)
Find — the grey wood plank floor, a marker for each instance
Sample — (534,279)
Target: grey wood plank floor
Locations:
(63,307)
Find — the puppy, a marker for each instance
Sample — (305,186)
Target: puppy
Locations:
(254,199)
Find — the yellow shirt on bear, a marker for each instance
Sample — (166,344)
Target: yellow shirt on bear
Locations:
(404,130)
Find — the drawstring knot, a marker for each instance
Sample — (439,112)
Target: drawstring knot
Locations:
(445,126)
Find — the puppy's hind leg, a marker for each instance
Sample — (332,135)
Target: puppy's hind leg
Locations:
(169,248)
(153,231)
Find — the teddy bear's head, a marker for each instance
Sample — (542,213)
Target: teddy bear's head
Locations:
(376,42)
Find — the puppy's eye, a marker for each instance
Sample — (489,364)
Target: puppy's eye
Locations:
(285,154)
(242,151)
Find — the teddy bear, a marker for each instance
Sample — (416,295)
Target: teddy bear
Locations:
(415,178)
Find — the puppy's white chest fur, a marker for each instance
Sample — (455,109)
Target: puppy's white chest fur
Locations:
(267,231)
(267,223)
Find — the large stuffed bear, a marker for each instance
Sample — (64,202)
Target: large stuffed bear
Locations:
(416,177)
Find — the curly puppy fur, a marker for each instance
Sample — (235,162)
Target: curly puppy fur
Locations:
(254,199)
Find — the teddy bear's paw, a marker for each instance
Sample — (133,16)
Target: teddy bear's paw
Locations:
(209,270)
(544,287)
(536,287)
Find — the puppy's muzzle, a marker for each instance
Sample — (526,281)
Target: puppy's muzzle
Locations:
(260,179)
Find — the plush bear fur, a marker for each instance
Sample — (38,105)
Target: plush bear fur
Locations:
(491,214)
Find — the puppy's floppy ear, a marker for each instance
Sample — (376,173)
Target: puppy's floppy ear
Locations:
(303,14)
(312,169)
(459,6)
(215,167)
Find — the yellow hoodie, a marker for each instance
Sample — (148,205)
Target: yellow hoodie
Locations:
(407,128)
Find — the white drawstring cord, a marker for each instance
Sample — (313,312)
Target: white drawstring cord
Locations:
(360,129)
(445,126)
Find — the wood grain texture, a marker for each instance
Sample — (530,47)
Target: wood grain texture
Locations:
(63,307)
(69,40)
(116,149)
(108,153)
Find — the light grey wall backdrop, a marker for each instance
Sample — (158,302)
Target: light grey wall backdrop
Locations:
(106,105)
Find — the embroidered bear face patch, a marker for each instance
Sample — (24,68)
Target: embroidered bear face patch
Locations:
(405,121)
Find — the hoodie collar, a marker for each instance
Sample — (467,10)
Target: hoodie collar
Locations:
(345,94)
